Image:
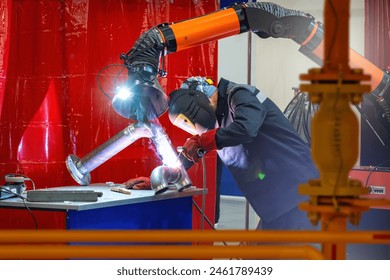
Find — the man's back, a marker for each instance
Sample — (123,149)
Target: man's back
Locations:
(269,168)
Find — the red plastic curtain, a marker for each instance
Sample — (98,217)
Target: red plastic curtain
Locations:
(51,52)
(377,32)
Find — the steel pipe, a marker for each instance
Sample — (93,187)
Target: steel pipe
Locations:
(80,168)
(162,176)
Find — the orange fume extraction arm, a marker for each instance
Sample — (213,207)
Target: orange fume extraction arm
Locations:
(265,19)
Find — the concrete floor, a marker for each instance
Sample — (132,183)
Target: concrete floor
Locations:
(233,214)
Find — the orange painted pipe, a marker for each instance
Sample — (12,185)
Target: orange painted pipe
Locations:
(336,37)
(177,236)
(358,61)
(158,252)
(225,23)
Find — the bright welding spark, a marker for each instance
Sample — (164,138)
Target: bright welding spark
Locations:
(123,93)
(165,149)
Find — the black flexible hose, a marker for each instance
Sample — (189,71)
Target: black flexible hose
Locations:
(275,9)
(146,50)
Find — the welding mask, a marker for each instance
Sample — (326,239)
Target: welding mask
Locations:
(191,110)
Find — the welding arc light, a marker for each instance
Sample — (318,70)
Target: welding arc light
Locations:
(123,93)
(142,98)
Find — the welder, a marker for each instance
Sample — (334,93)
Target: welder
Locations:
(254,140)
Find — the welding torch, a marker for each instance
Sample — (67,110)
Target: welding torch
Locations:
(200,152)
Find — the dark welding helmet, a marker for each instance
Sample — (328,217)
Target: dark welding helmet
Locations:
(190,109)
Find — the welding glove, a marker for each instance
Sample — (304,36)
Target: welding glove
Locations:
(197,145)
(139,183)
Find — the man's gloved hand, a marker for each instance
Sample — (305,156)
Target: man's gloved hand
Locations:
(140,183)
(198,144)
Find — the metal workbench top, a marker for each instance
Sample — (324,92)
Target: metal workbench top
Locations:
(108,199)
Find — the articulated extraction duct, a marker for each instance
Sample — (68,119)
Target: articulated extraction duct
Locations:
(265,19)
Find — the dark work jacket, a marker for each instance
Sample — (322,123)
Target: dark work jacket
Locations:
(262,150)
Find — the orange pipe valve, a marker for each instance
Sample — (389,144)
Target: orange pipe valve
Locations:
(335,127)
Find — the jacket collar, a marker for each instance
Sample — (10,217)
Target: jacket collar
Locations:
(222,99)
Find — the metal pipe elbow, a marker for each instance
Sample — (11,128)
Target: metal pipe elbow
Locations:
(162,176)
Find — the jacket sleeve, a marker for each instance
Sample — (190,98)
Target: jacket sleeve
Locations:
(186,163)
(248,116)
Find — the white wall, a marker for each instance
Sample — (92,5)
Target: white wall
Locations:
(277,63)
(233,58)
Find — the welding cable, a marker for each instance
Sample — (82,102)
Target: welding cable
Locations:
(116,76)
(335,31)
(370,125)
(203,191)
(99,74)
(25,205)
(296,113)
(207,219)
(297,106)
(201,210)
(312,109)
(25,178)
(306,118)
(291,106)
(375,168)
(300,111)
(200,153)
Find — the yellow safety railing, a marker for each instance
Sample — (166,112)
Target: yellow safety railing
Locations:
(174,244)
